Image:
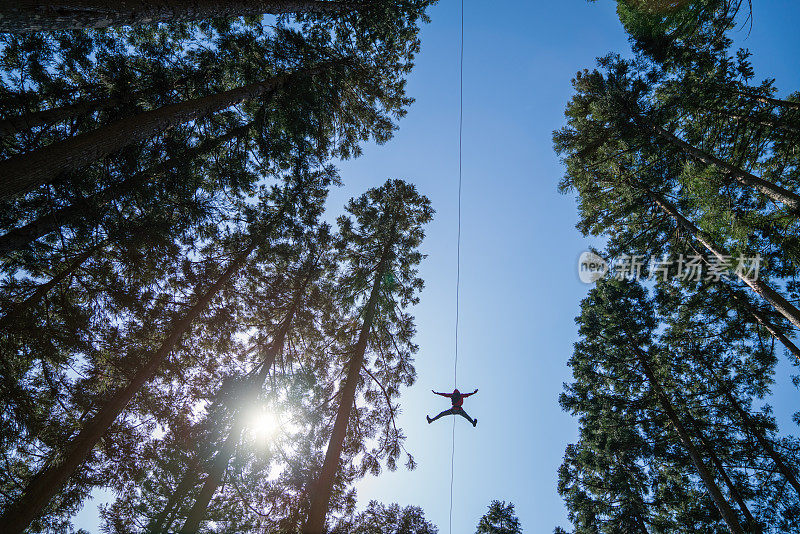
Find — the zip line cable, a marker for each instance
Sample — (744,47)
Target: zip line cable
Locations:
(458,239)
(458,248)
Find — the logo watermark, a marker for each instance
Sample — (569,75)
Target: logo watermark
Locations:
(692,267)
(591,267)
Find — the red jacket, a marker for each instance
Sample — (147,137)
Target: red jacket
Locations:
(456,397)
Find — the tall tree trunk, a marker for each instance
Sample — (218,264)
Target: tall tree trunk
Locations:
(758,122)
(769,100)
(787,473)
(775,192)
(164,519)
(220,462)
(767,324)
(28,121)
(23,236)
(781,305)
(734,493)
(26,171)
(42,290)
(39,15)
(321,489)
(716,495)
(49,481)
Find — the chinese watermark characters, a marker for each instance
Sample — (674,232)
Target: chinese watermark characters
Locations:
(690,267)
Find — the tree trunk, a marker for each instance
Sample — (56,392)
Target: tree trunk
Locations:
(769,100)
(23,236)
(321,489)
(19,309)
(748,425)
(49,481)
(734,493)
(24,123)
(223,457)
(719,500)
(27,171)
(765,444)
(219,464)
(39,15)
(758,122)
(163,520)
(781,305)
(765,322)
(773,191)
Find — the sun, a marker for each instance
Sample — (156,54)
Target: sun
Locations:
(262,424)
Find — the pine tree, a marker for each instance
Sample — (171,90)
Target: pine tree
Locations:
(34,15)
(379,518)
(645,217)
(46,483)
(382,237)
(602,323)
(500,519)
(303,282)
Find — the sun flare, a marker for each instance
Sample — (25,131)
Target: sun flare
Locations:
(263,424)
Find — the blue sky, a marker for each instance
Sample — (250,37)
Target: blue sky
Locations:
(519,284)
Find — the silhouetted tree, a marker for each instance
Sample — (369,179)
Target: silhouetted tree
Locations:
(499,519)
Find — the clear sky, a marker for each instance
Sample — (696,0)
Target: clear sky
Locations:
(519,284)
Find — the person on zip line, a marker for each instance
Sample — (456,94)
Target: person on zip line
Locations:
(457,399)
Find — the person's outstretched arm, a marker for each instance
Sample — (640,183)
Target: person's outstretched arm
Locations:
(469,394)
(442,394)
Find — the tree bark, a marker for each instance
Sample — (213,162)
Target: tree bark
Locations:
(734,493)
(164,519)
(220,462)
(321,489)
(49,481)
(775,192)
(27,171)
(19,16)
(23,236)
(42,290)
(769,100)
(711,486)
(23,123)
(765,322)
(781,305)
(748,424)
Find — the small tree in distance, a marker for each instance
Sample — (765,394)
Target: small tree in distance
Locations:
(500,519)
(379,518)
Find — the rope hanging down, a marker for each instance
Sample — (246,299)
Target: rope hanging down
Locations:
(458,248)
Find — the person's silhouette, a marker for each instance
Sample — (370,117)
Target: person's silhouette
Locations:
(457,398)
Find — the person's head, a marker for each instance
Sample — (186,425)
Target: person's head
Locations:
(456,391)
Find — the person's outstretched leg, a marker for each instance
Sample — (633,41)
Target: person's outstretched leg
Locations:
(442,414)
(463,414)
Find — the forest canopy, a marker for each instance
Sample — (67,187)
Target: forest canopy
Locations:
(181,325)
(188,324)
(678,154)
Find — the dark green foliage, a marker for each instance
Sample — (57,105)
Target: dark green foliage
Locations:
(630,471)
(102,263)
(382,519)
(381,234)
(500,519)
(676,152)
